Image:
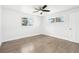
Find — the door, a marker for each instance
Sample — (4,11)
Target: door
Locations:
(74,27)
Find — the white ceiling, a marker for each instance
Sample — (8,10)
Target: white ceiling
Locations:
(30,8)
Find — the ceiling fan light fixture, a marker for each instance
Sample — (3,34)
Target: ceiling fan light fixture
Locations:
(42,9)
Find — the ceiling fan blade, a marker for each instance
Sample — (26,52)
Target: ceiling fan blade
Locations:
(46,10)
(44,6)
(36,8)
(35,11)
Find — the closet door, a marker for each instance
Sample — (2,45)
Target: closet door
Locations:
(74,26)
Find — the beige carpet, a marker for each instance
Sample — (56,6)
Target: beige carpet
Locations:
(39,44)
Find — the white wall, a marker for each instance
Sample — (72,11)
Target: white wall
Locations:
(54,29)
(0,26)
(12,28)
(60,30)
(41,27)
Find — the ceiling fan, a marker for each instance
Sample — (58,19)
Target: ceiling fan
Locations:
(41,9)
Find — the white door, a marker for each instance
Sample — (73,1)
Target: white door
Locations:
(74,27)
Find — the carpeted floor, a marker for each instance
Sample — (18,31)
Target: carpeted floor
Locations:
(39,44)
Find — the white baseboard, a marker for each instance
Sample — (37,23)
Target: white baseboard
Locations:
(64,38)
(39,34)
(19,37)
(55,36)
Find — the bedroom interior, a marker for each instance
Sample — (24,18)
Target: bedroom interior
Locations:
(39,28)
